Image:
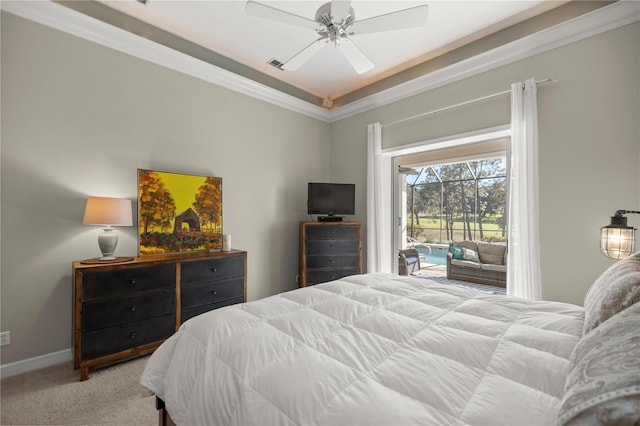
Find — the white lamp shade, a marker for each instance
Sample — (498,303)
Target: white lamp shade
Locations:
(108,211)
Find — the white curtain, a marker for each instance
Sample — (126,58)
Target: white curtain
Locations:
(523,270)
(379,205)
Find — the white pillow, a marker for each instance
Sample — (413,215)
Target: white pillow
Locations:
(471,255)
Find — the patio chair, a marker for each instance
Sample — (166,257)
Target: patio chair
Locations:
(408,261)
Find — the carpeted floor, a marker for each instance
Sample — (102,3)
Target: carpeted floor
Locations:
(111,396)
(56,396)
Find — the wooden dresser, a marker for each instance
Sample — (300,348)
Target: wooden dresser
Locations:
(329,251)
(126,310)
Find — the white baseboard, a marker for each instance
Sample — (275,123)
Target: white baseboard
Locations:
(36,363)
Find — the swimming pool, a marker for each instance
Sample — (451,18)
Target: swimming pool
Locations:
(432,253)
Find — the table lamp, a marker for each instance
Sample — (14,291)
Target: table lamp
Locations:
(108,212)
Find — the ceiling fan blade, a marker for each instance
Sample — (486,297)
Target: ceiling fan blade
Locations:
(340,10)
(304,55)
(355,56)
(405,18)
(263,11)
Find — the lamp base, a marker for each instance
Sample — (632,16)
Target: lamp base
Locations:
(97,260)
(107,241)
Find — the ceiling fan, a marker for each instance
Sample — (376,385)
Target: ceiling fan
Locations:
(335,22)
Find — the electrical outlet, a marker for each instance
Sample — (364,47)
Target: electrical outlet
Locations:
(5,338)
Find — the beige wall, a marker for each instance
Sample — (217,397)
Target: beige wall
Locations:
(78,119)
(589,136)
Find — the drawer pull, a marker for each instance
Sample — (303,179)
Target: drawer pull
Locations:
(213,292)
(133,335)
(134,281)
(332,261)
(213,269)
(133,308)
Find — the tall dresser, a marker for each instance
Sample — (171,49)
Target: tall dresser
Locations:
(126,310)
(329,251)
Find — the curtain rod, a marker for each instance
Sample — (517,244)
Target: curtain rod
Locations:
(483,98)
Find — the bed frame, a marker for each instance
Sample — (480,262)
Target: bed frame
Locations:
(164,419)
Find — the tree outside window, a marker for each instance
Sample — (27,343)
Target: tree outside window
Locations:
(458,201)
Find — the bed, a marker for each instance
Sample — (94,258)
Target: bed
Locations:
(391,350)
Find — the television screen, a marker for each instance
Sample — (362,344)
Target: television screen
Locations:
(331,198)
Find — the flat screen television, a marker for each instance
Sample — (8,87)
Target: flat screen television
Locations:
(331,198)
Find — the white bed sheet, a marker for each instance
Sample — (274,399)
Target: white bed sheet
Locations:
(370,349)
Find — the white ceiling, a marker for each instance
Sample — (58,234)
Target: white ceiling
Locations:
(225,28)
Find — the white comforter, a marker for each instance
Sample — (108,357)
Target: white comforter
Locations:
(369,349)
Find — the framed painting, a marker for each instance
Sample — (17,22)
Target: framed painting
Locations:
(178,213)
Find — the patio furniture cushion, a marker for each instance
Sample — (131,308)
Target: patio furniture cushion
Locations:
(492,267)
(465,263)
(491,253)
(457,252)
(411,260)
(471,255)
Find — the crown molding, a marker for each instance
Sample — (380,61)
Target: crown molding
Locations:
(590,24)
(77,24)
(69,21)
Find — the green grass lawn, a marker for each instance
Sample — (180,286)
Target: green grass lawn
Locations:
(429,230)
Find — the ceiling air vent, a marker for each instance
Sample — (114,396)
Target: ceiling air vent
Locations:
(275,63)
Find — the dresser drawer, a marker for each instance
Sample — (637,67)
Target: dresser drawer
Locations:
(126,310)
(127,281)
(190,313)
(110,312)
(118,338)
(332,232)
(331,261)
(332,246)
(212,269)
(211,292)
(316,277)
(329,251)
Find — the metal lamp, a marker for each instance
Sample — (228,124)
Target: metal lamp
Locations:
(108,212)
(618,240)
